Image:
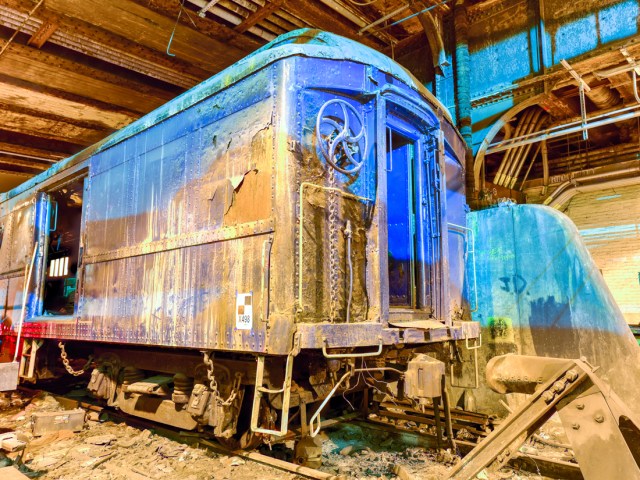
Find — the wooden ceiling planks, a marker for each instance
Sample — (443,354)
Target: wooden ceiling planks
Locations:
(27,151)
(321,17)
(50,127)
(49,70)
(259,15)
(214,29)
(38,101)
(151,29)
(84,68)
(92,41)
(9,160)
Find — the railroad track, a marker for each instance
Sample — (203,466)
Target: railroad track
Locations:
(394,419)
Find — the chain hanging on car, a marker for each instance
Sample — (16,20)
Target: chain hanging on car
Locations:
(67,365)
(333,245)
(213,384)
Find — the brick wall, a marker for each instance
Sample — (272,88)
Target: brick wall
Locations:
(609,221)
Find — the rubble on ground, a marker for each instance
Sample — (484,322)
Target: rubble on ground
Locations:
(115,451)
(111,451)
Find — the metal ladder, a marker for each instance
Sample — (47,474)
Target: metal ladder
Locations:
(28,357)
(260,390)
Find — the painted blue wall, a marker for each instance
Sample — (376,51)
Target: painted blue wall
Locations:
(514,41)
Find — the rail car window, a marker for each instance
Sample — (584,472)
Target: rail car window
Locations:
(65,214)
(401,220)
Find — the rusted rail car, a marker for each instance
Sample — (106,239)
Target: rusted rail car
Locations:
(240,252)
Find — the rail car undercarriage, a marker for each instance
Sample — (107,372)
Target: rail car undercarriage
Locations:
(246,400)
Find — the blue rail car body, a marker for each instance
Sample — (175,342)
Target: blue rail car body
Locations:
(306,190)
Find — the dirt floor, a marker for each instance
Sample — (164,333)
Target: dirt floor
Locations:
(105,450)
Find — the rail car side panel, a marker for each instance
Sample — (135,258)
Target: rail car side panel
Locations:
(178,220)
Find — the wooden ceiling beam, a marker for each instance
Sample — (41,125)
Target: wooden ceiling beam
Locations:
(205,25)
(42,68)
(313,14)
(556,106)
(259,15)
(87,39)
(39,101)
(16,170)
(24,151)
(149,28)
(23,143)
(21,162)
(50,127)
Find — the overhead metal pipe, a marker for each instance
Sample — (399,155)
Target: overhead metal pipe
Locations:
(502,122)
(553,199)
(544,153)
(567,129)
(506,160)
(382,19)
(525,150)
(526,175)
(567,195)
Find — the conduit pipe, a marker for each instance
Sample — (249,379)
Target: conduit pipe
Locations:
(526,175)
(382,19)
(621,115)
(506,160)
(555,198)
(502,122)
(234,19)
(521,152)
(567,195)
(545,166)
(525,150)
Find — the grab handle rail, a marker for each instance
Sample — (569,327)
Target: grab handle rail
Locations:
(351,355)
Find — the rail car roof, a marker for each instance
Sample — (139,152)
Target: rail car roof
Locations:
(303,42)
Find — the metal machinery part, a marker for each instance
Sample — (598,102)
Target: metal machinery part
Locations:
(596,420)
(341,144)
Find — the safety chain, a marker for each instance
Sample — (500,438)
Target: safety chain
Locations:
(333,246)
(67,366)
(213,384)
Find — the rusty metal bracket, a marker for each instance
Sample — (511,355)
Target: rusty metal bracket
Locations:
(313,431)
(588,408)
(476,346)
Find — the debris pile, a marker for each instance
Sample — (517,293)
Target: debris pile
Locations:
(111,451)
(106,450)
